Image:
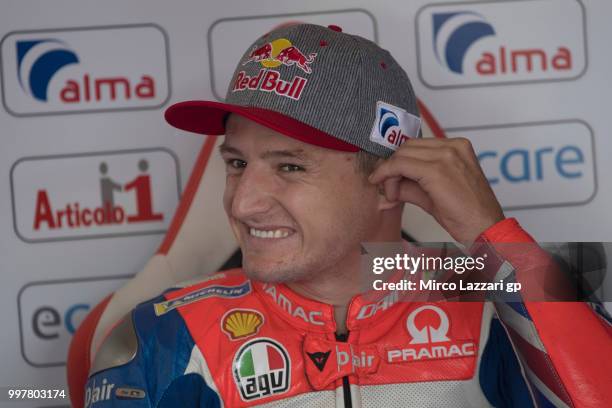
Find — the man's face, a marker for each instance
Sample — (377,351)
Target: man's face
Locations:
(297,210)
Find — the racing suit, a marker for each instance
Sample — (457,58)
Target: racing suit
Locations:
(229,341)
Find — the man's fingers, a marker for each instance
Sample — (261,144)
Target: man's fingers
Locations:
(407,167)
(411,192)
(445,153)
(391,188)
(458,142)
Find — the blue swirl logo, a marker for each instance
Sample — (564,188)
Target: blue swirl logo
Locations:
(38,61)
(387,120)
(454,34)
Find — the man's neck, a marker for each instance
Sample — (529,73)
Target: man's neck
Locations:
(335,292)
(337,287)
(340,283)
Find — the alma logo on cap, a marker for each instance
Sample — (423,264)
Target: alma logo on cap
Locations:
(393,126)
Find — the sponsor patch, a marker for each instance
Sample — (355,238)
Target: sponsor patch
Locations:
(130,393)
(393,126)
(204,293)
(262,368)
(319,358)
(428,327)
(281,52)
(273,55)
(241,323)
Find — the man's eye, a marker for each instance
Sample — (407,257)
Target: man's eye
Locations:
(236,163)
(289,168)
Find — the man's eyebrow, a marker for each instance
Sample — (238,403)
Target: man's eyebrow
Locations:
(229,149)
(280,154)
(269,154)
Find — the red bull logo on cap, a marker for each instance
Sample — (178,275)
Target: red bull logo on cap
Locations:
(273,55)
(281,52)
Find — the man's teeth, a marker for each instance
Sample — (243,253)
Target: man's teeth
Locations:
(268,234)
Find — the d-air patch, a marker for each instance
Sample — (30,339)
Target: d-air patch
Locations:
(130,393)
(240,323)
(204,293)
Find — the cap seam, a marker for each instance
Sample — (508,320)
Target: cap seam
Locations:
(357,85)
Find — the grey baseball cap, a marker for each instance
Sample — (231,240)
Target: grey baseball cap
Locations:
(318,85)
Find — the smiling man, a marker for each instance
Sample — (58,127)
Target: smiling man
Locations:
(322,149)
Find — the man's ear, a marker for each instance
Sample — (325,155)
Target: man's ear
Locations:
(384,203)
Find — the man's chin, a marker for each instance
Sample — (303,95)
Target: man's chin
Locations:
(270,273)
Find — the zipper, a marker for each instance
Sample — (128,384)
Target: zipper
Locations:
(346,387)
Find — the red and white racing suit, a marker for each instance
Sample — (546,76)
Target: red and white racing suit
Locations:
(229,341)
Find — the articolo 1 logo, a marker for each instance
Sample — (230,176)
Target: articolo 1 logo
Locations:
(468,44)
(83,196)
(84,70)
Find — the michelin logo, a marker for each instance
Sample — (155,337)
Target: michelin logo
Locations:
(393,126)
(211,291)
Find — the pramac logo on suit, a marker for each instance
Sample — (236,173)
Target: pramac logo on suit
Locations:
(75,70)
(429,330)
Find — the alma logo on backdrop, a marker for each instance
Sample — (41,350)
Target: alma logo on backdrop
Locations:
(467,44)
(90,195)
(76,70)
(39,60)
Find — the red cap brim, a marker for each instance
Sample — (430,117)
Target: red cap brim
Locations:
(208,118)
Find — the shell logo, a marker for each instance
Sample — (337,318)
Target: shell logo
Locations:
(240,323)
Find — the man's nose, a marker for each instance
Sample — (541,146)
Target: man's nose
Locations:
(253,194)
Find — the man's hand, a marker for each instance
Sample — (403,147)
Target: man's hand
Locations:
(444,178)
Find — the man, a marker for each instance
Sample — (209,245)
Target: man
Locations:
(322,150)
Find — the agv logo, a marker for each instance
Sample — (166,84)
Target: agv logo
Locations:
(262,368)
